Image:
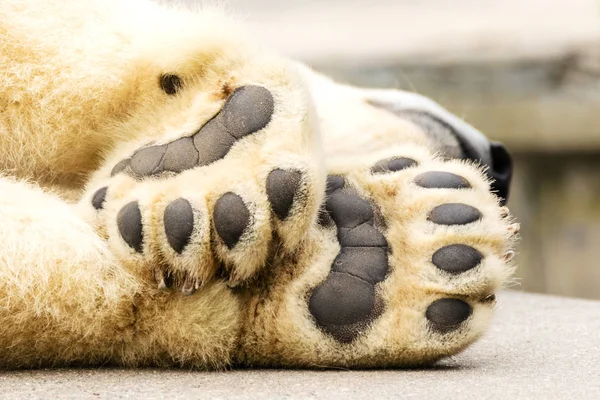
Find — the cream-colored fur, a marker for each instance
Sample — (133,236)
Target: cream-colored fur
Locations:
(65,299)
(79,91)
(280,330)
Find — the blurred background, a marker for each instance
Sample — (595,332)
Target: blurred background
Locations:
(525,72)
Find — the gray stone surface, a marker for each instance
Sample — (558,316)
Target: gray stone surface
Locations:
(540,347)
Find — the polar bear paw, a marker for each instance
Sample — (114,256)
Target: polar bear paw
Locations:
(402,269)
(211,203)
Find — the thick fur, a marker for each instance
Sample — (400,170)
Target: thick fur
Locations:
(79,91)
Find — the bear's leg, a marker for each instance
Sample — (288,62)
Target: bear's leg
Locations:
(401,270)
(216,200)
(356,121)
(65,300)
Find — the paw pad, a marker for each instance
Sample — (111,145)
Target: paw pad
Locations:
(456,258)
(441,180)
(248,110)
(179,224)
(445,315)
(120,166)
(454,214)
(231,218)
(282,186)
(343,306)
(99,197)
(393,165)
(129,222)
(346,302)
(334,182)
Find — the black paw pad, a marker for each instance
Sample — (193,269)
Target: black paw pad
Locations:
(441,180)
(348,210)
(99,197)
(364,235)
(180,155)
(456,258)
(367,263)
(343,306)
(346,302)
(454,214)
(334,182)
(231,218)
(445,315)
(247,110)
(282,186)
(148,161)
(393,165)
(179,223)
(129,222)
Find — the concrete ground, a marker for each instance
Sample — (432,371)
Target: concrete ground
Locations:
(539,347)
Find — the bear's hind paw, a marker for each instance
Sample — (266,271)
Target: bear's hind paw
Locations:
(402,271)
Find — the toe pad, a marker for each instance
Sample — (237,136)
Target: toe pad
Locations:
(129,222)
(445,315)
(179,224)
(231,218)
(282,187)
(441,180)
(457,258)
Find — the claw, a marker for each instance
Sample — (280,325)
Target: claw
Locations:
(162,279)
(509,255)
(514,228)
(190,285)
(489,299)
(504,212)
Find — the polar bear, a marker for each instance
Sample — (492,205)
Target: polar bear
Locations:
(172,195)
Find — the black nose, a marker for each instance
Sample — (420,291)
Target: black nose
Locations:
(501,170)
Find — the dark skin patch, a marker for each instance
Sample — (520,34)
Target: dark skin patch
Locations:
(99,198)
(457,258)
(231,218)
(170,84)
(346,303)
(129,222)
(454,214)
(393,165)
(179,224)
(441,180)
(247,110)
(446,315)
(282,186)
